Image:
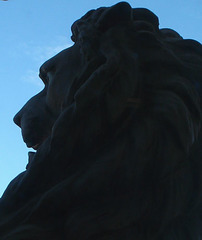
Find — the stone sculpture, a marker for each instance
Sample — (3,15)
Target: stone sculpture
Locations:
(117,136)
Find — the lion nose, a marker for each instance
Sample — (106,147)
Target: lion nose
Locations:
(17,119)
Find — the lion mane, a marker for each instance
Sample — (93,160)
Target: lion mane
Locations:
(123,159)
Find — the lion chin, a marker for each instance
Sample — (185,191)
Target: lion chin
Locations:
(117,136)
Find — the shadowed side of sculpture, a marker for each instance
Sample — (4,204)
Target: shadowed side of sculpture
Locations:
(117,136)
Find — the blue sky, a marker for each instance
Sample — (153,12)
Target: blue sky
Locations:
(34,30)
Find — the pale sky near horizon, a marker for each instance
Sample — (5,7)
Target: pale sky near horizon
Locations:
(35,30)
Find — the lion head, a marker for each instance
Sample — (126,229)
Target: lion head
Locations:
(116,131)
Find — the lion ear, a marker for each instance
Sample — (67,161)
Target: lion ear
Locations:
(121,12)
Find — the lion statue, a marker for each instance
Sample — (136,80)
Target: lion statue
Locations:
(117,136)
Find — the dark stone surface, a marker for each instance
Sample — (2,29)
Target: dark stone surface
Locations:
(117,133)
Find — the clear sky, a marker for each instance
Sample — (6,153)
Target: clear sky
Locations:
(34,30)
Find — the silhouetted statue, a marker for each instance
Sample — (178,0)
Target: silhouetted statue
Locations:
(117,136)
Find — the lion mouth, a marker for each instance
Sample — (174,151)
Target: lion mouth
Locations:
(31,154)
(37,144)
(35,147)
